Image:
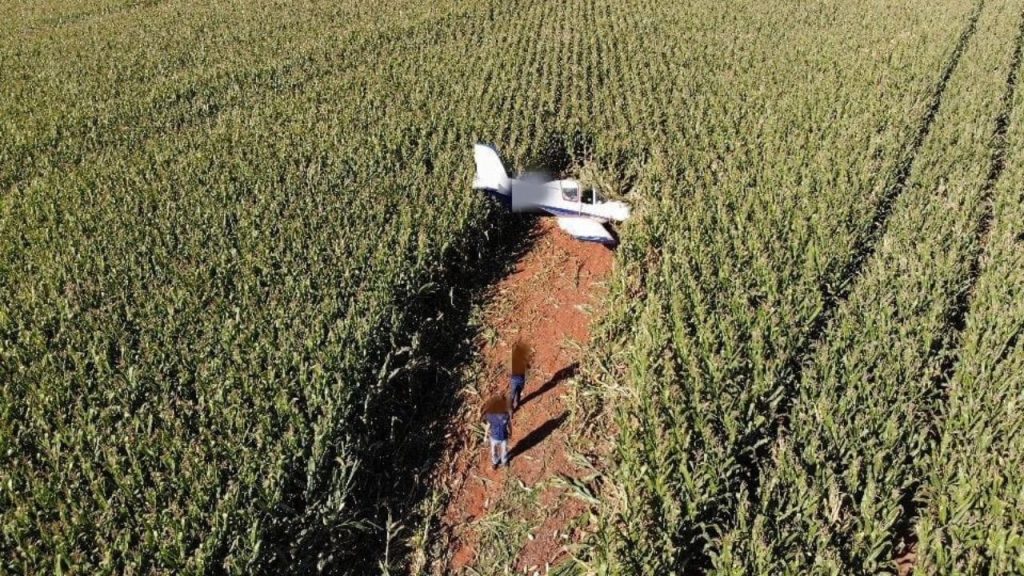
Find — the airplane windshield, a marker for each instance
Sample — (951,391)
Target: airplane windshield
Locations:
(570,193)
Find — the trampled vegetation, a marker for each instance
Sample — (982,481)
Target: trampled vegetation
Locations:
(237,246)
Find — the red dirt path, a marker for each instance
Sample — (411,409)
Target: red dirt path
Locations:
(548,301)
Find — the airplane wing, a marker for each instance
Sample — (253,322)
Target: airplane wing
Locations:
(585,229)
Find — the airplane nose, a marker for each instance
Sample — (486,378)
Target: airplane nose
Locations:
(619,210)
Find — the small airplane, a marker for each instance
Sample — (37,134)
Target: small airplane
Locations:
(581,213)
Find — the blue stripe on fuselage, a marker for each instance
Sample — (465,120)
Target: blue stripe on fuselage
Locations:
(598,239)
(506,199)
(573,213)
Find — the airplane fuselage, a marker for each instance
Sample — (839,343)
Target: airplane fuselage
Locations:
(559,198)
(582,213)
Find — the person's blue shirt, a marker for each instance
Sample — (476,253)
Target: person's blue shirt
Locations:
(498,425)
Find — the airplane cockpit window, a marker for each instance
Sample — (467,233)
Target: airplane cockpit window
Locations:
(592,196)
(570,193)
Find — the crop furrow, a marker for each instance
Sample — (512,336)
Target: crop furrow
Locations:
(238,249)
(962,304)
(731,259)
(750,462)
(845,467)
(862,252)
(997,164)
(967,511)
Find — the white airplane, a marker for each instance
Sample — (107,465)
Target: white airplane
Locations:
(581,213)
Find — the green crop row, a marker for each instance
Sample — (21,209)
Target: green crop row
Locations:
(237,242)
(836,495)
(972,493)
(222,229)
(798,138)
(229,234)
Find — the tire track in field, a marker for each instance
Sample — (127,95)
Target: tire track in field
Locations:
(866,247)
(962,305)
(911,503)
(862,253)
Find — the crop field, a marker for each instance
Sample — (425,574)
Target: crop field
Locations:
(239,252)
(804,341)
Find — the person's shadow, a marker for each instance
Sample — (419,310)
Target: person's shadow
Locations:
(538,435)
(563,374)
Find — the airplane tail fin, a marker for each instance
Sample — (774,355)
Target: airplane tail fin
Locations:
(490,173)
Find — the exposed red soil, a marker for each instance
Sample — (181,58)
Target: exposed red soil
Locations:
(905,562)
(548,301)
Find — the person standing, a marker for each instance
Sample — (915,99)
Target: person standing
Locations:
(499,428)
(520,362)
(517,383)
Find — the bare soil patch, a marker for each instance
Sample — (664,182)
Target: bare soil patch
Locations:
(549,300)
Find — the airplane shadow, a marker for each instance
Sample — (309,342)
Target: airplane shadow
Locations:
(539,435)
(563,374)
(615,237)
